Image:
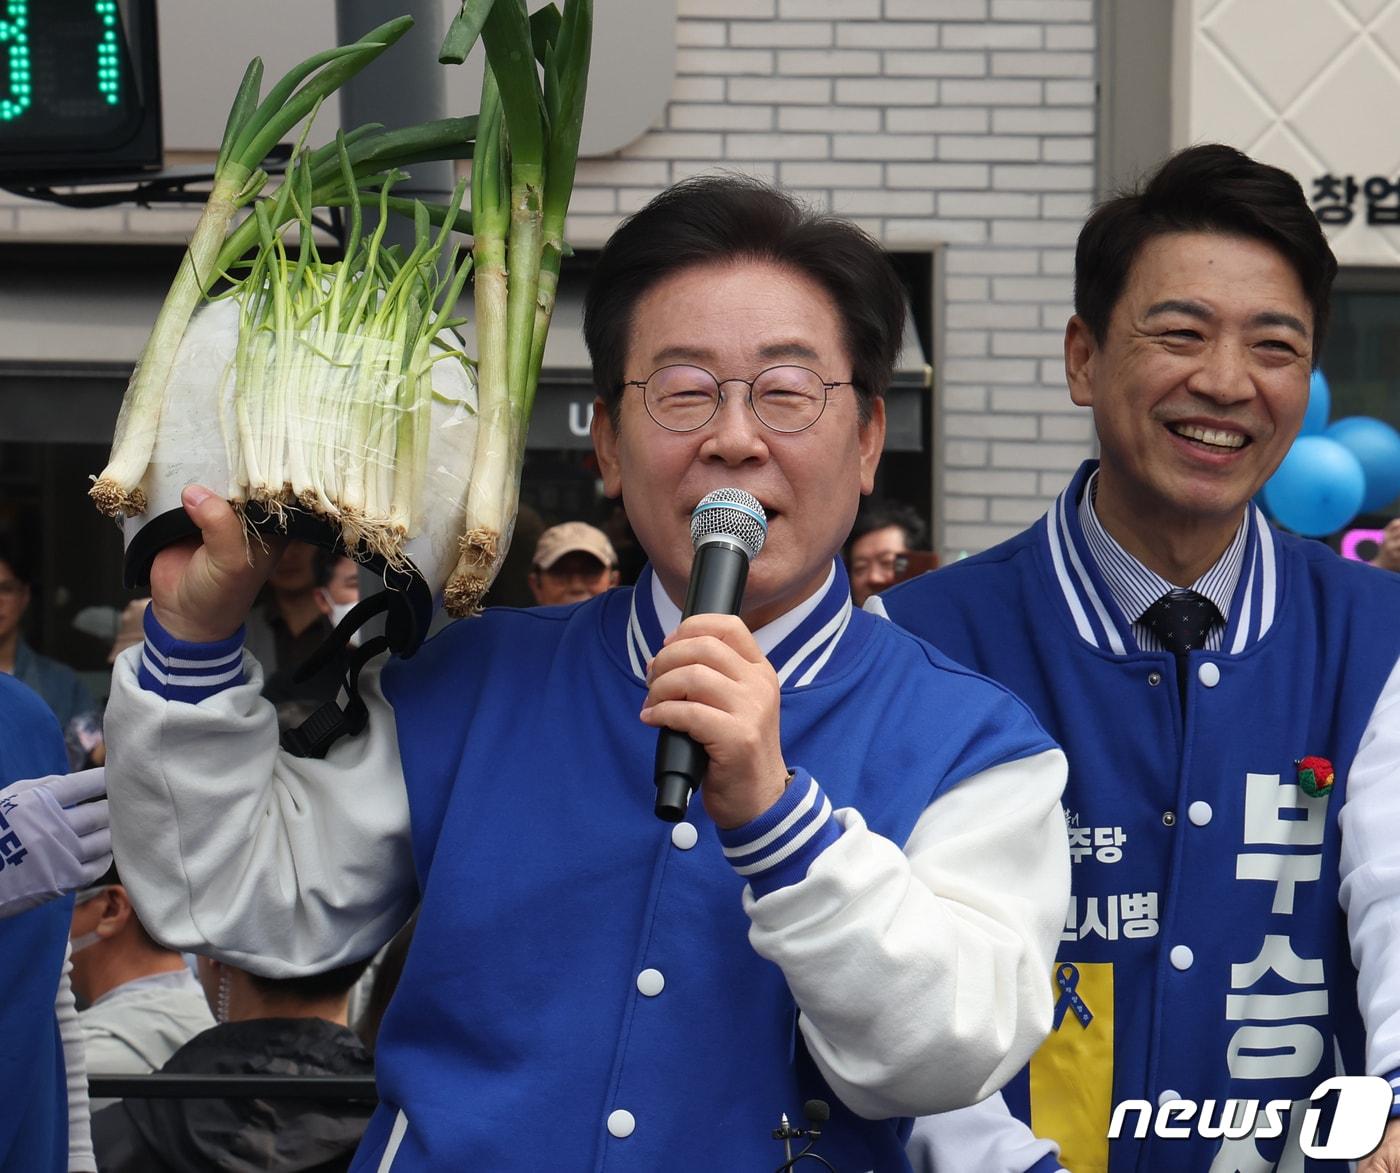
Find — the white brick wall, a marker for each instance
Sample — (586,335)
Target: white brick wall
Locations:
(967,124)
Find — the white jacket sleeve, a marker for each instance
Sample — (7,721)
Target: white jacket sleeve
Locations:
(80,1154)
(984,1137)
(281,865)
(1370,877)
(923,975)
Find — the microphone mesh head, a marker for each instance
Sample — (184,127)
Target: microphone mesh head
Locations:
(816,1111)
(733,513)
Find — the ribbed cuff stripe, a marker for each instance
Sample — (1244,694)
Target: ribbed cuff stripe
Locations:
(776,849)
(1394,1080)
(181,671)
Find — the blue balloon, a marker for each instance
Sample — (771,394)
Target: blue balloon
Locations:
(1317,489)
(1377,446)
(1319,405)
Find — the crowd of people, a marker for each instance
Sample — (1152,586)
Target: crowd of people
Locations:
(1101,816)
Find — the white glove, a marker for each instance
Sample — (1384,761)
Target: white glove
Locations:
(49,844)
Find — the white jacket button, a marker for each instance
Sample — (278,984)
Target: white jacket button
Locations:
(1182,957)
(684,835)
(1208,674)
(651,982)
(1199,813)
(621,1123)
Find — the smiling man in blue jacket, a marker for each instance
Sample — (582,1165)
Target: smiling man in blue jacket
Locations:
(1226,695)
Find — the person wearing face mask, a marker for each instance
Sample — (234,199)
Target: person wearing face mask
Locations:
(307,595)
(337,585)
(141,1003)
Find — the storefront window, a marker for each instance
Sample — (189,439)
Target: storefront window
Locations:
(1361,356)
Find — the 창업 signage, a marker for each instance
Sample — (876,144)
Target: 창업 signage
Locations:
(1306,87)
(1334,199)
(79,90)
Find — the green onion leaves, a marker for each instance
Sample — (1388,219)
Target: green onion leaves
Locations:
(331,397)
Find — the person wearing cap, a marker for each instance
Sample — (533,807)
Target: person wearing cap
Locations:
(573,562)
(862,900)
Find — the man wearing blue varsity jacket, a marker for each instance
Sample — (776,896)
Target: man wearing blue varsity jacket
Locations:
(860,905)
(1226,695)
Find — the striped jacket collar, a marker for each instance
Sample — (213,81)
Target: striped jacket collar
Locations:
(1094,610)
(1135,587)
(801,645)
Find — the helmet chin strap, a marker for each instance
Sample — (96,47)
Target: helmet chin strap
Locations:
(315,736)
(407,604)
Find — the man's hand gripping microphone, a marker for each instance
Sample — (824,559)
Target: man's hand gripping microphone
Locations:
(728,528)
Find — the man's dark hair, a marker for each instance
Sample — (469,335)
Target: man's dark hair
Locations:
(719,219)
(314,986)
(875,514)
(323,564)
(1209,188)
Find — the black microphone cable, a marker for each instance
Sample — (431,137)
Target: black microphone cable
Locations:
(816,1112)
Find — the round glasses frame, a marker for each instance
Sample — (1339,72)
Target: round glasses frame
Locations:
(647,395)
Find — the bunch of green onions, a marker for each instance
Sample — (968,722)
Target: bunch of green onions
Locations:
(333,389)
(336,360)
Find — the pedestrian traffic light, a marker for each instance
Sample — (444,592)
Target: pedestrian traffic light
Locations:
(79,88)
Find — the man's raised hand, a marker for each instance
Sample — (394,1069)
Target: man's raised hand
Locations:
(203,587)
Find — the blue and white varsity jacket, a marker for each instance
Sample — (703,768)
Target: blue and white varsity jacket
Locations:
(1205,953)
(589,988)
(33,1091)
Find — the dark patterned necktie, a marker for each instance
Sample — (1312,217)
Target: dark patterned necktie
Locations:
(1180,620)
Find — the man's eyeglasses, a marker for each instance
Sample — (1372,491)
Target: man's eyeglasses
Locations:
(887,564)
(684,398)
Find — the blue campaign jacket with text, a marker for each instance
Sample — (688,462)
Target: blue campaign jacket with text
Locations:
(1204,953)
(549,885)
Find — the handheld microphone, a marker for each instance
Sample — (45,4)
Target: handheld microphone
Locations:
(727,528)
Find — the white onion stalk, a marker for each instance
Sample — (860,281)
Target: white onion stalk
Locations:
(522,177)
(334,371)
